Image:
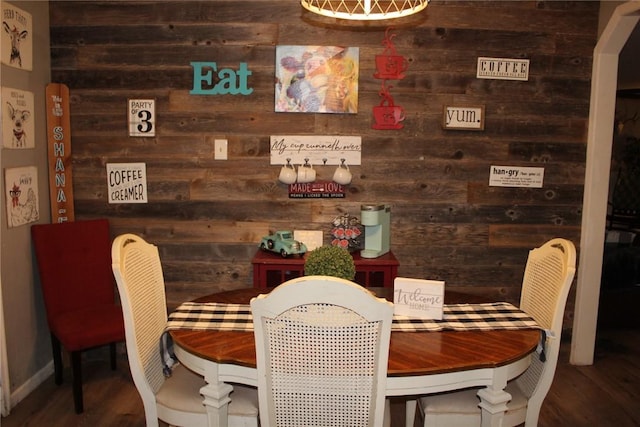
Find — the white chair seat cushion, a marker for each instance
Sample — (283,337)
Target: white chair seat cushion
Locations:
(181,392)
(244,401)
(460,408)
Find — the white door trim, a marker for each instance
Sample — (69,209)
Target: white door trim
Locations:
(596,186)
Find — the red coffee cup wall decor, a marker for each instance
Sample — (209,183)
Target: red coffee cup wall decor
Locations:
(389,66)
(387,115)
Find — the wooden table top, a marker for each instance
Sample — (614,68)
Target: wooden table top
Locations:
(410,353)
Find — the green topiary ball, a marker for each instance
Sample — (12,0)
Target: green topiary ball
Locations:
(330,261)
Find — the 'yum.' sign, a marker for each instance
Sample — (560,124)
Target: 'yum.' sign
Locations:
(208,80)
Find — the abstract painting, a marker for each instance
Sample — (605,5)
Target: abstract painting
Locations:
(317,79)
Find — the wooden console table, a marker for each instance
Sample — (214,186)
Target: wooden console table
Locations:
(271,269)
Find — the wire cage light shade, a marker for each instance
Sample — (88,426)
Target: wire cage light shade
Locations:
(364,10)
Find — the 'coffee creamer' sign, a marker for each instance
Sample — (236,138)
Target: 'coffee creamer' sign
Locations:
(127,182)
(419,298)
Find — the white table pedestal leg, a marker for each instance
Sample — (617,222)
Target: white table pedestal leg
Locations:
(493,402)
(216,398)
(410,412)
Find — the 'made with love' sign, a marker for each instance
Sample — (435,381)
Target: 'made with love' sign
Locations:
(418,298)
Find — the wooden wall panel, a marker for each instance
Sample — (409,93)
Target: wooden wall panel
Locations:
(207,215)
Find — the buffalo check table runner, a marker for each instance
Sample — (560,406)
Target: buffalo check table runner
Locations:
(456,317)
(214,316)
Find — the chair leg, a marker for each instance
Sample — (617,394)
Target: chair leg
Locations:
(112,353)
(386,422)
(57,359)
(76,366)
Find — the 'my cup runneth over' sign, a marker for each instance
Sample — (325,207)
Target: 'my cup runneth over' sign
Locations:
(315,149)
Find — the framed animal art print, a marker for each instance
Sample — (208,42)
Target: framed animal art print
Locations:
(16,37)
(21,193)
(18,130)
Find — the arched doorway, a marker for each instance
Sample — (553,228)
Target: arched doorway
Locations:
(596,188)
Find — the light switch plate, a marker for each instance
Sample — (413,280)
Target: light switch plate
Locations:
(220,147)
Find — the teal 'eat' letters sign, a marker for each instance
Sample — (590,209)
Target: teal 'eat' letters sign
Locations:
(229,82)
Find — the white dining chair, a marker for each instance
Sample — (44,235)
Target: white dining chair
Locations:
(322,346)
(175,400)
(547,279)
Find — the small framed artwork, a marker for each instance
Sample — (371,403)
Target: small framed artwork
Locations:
(21,193)
(503,68)
(142,117)
(418,298)
(18,128)
(311,238)
(16,37)
(316,79)
(127,182)
(463,117)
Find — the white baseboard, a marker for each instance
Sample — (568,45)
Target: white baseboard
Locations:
(31,384)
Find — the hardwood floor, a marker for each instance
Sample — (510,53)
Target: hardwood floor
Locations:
(604,394)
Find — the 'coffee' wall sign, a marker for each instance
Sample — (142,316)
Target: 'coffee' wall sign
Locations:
(503,69)
(225,81)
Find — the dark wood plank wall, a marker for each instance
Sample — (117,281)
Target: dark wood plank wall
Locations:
(207,215)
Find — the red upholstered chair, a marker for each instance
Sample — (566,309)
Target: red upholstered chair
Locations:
(74,263)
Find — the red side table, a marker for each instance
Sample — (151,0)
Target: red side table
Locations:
(270,269)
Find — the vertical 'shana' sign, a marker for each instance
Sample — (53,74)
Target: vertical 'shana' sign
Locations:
(59,147)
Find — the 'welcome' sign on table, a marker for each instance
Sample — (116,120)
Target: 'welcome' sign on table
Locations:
(418,298)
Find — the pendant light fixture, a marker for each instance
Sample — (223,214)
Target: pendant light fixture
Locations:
(364,10)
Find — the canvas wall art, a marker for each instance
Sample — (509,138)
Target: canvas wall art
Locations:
(16,37)
(317,79)
(18,129)
(21,189)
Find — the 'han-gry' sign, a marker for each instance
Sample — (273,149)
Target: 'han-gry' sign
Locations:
(516,176)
